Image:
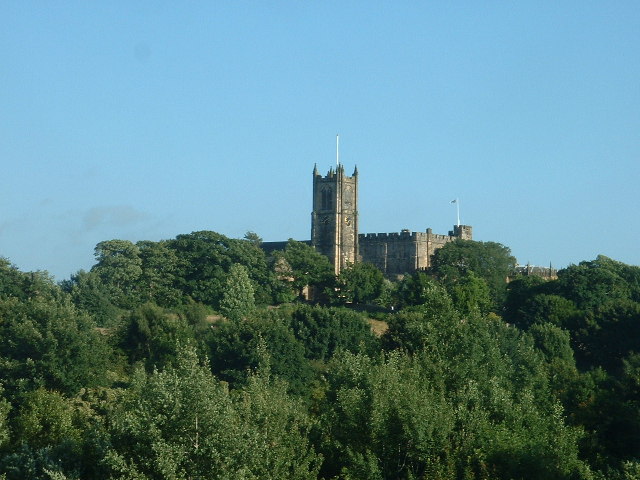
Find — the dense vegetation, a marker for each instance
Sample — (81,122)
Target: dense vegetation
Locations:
(198,358)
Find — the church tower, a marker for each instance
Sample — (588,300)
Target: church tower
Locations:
(334,219)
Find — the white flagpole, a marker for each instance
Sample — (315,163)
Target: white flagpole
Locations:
(457,202)
(337,150)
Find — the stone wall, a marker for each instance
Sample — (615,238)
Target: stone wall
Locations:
(405,252)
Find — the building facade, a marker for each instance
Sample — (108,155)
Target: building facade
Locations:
(334,230)
(334,218)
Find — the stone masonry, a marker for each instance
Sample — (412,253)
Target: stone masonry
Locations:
(334,230)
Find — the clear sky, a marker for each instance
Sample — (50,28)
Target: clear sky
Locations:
(145,120)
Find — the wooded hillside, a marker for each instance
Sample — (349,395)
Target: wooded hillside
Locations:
(198,358)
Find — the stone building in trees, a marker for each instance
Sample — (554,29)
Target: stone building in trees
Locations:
(334,231)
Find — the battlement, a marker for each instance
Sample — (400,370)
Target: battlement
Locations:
(331,174)
(388,236)
(406,234)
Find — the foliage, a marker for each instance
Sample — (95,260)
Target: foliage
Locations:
(119,266)
(481,383)
(183,423)
(90,294)
(323,331)
(471,294)
(359,283)
(238,298)
(419,289)
(152,335)
(450,391)
(205,259)
(47,342)
(234,352)
(159,275)
(387,420)
(303,266)
(489,261)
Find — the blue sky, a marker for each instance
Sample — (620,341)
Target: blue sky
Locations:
(145,120)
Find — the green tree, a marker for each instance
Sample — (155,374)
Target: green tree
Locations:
(383,420)
(519,291)
(359,283)
(205,258)
(545,308)
(24,285)
(152,335)
(11,280)
(238,298)
(158,278)
(417,289)
(47,342)
(253,237)
(597,282)
(490,261)
(5,408)
(323,331)
(90,294)
(119,266)
(53,436)
(471,294)
(234,352)
(183,423)
(305,267)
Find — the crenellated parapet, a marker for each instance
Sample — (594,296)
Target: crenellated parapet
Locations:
(406,251)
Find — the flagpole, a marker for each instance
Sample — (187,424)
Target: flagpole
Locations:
(337,151)
(457,202)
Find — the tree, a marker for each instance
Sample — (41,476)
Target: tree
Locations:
(383,419)
(182,422)
(359,283)
(594,283)
(323,331)
(421,289)
(234,352)
(119,266)
(490,261)
(47,342)
(238,295)
(253,237)
(544,308)
(49,438)
(306,267)
(90,294)
(205,259)
(471,294)
(152,335)
(158,278)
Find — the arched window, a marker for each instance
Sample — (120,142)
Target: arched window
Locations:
(327,199)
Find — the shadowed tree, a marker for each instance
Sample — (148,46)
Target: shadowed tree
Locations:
(490,261)
(304,266)
(119,266)
(359,283)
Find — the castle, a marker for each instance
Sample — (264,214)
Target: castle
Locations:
(334,231)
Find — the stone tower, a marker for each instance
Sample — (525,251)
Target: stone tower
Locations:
(334,219)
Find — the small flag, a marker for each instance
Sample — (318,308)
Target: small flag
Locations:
(454,201)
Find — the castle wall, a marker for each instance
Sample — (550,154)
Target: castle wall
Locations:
(405,252)
(334,231)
